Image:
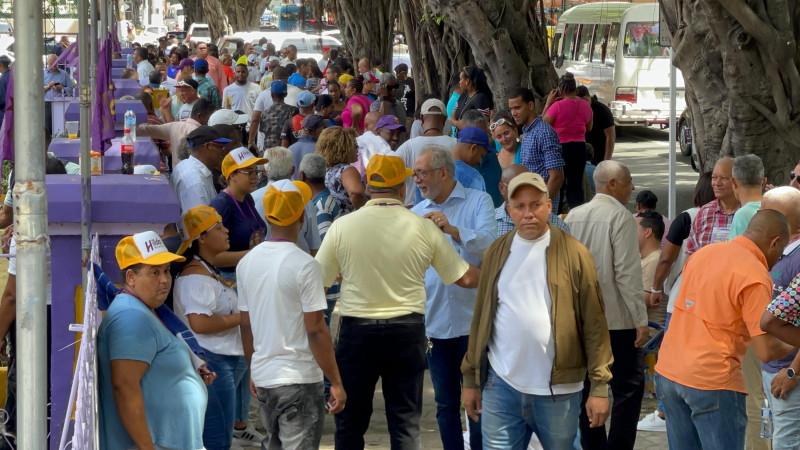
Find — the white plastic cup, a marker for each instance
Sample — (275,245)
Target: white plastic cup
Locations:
(72,129)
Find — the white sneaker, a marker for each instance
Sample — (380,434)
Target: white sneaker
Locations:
(652,422)
(248,436)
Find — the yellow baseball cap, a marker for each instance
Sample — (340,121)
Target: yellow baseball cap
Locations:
(285,201)
(239,158)
(344,78)
(195,221)
(391,168)
(144,248)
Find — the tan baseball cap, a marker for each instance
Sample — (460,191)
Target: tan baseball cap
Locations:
(526,179)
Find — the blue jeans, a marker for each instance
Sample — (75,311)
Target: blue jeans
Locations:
(218,427)
(444,362)
(241,406)
(510,417)
(702,420)
(660,406)
(785,416)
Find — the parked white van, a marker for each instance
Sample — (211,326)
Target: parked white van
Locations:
(612,48)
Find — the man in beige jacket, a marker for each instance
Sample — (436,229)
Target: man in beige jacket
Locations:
(539,286)
(608,230)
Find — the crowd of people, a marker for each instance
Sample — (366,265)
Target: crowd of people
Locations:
(484,242)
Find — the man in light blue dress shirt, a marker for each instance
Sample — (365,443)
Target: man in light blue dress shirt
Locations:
(466,216)
(57,83)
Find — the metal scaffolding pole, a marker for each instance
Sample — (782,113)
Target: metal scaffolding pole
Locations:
(85,125)
(94,48)
(30,230)
(104,22)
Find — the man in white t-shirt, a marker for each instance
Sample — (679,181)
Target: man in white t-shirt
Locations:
(242,94)
(433,115)
(538,286)
(286,341)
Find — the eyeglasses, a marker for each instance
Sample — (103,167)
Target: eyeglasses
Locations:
(249,173)
(501,122)
(792,176)
(420,174)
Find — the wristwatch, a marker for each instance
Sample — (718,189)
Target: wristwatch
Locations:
(790,373)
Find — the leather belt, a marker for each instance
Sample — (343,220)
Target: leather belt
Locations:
(408,318)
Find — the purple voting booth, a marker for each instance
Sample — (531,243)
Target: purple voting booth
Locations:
(121,205)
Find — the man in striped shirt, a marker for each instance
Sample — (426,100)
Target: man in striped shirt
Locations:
(713,221)
(504,223)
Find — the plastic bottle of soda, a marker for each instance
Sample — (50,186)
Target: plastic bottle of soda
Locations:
(129,61)
(766,421)
(130,123)
(126,151)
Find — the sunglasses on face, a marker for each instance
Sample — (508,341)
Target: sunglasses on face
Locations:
(792,176)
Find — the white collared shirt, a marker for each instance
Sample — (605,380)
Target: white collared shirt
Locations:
(192,183)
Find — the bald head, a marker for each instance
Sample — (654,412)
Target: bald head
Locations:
(515,169)
(785,200)
(609,170)
(371,120)
(769,230)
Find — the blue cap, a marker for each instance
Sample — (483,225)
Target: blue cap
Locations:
(200,64)
(297,80)
(306,99)
(278,87)
(474,135)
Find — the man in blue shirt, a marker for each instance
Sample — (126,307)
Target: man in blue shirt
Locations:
(5,74)
(780,377)
(541,151)
(307,143)
(472,146)
(56,83)
(466,216)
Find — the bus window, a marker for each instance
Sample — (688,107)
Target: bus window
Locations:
(641,40)
(569,41)
(600,39)
(585,42)
(611,47)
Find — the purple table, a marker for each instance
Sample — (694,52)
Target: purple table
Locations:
(121,205)
(119,63)
(121,106)
(116,72)
(144,152)
(125,87)
(126,51)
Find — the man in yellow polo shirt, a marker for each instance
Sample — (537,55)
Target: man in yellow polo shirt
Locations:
(382,251)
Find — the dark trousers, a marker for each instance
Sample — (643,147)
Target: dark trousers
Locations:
(396,354)
(444,363)
(574,154)
(627,386)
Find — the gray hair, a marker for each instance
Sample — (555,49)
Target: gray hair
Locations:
(387,77)
(609,170)
(281,162)
(440,157)
(748,170)
(473,118)
(314,166)
(184,150)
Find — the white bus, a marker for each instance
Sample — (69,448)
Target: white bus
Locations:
(613,49)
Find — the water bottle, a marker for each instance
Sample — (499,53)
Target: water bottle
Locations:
(129,61)
(130,123)
(126,151)
(766,421)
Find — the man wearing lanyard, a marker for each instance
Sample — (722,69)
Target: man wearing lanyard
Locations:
(382,303)
(466,217)
(713,221)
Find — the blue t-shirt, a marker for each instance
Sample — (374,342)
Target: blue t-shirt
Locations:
(490,170)
(175,397)
(783,272)
(241,221)
(742,218)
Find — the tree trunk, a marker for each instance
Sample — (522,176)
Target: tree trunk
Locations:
(193,12)
(367,28)
(245,15)
(740,67)
(437,51)
(216,18)
(507,42)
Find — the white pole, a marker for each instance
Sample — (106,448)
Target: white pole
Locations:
(672,141)
(30,229)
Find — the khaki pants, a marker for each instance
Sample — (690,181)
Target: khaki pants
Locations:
(751,367)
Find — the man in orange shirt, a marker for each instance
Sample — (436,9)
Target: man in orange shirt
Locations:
(725,289)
